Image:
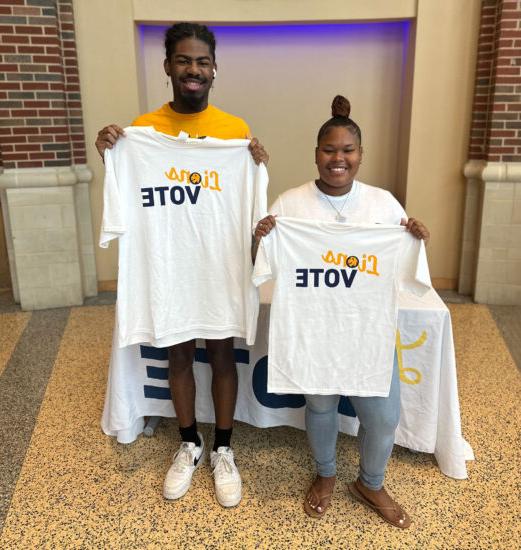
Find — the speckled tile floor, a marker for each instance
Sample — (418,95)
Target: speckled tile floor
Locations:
(63,484)
(11,327)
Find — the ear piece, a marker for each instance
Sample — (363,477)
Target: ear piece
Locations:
(214,73)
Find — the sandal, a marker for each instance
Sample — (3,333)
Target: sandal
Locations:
(393,514)
(312,511)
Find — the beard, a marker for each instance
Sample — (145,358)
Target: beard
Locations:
(193,100)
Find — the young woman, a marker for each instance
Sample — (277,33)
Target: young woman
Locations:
(337,196)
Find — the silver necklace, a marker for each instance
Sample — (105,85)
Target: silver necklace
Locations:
(339,216)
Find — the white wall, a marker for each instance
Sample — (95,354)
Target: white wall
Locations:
(281,80)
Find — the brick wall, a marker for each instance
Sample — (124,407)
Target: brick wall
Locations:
(496,120)
(40,104)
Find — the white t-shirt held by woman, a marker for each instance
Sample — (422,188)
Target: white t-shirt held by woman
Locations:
(334,309)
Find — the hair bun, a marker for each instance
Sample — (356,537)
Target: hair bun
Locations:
(340,107)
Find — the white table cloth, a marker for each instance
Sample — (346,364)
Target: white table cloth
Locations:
(430,415)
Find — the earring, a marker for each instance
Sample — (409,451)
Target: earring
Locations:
(167,80)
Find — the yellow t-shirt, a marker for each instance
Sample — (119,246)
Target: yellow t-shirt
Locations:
(211,122)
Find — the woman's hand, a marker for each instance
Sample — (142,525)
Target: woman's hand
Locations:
(258,152)
(263,228)
(417,228)
(107,137)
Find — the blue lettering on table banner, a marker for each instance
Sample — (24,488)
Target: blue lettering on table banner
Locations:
(157,373)
(157,392)
(161,373)
(149,352)
(345,408)
(271,400)
(259,380)
(280,401)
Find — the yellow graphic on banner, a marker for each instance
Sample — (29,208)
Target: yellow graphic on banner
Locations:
(409,375)
(368,264)
(207,180)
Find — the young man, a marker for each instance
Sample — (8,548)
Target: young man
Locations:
(191,67)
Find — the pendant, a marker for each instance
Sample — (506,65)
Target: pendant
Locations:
(340,218)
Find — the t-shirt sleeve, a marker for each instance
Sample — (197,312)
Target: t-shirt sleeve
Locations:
(113,223)
(397,211)
(260,205)
(413,269)
(276,208)
(265,262)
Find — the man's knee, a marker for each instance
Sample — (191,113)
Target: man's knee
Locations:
(220,354)
(181,356)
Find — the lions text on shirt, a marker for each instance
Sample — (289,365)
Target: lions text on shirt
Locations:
(183,210)
(334,308)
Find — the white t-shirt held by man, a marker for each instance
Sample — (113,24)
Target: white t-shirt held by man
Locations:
(182,210)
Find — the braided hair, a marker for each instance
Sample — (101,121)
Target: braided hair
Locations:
(180,31)
(340,111)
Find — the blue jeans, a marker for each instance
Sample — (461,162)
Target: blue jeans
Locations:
(378,417)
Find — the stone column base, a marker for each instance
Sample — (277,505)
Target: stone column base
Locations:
(49,235)
(490,267)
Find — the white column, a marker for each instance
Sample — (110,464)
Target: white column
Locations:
(49,236)
(491,252)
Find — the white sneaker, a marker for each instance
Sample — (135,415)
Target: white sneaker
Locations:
(179,475)
(228,486)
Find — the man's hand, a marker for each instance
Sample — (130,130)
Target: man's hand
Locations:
(107,137)
(258,152)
